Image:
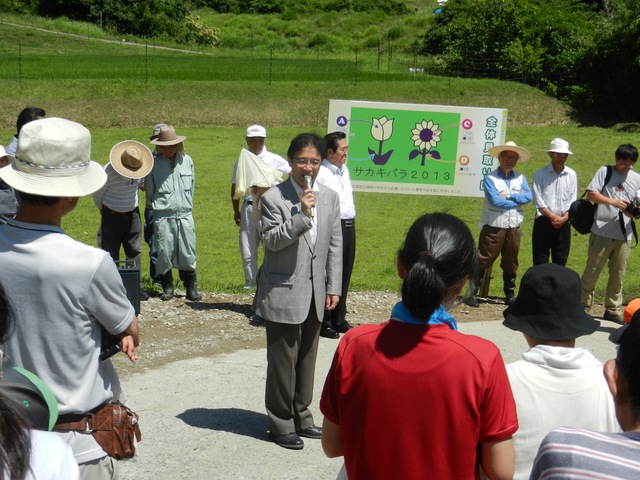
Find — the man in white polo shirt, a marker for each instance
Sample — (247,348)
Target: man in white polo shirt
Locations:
(65,294)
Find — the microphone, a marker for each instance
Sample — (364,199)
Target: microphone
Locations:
(308,185)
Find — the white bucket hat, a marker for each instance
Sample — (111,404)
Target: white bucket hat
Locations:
(256,131)
(523,153)
(131,159)
(53,159)
(559,145)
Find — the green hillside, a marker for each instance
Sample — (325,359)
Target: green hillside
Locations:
(104,82)
(120,90)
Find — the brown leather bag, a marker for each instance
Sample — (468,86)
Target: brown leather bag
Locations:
(114,427)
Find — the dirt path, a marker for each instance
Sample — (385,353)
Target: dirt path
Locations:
(219,324)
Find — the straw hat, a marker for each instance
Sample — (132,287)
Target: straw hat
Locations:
(523,153)
(558,145)
(131,159)
(167,136)
(53,159)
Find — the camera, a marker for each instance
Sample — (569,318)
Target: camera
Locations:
(110,351)
(633,210)
(110,345)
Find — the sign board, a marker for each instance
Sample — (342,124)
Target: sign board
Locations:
(418,149)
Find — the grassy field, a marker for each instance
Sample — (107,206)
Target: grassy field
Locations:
(214,113)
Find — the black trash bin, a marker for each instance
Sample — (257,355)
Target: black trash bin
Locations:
(131,280)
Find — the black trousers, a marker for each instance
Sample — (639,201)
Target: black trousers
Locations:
(336,318)
(547,240)
(122,229)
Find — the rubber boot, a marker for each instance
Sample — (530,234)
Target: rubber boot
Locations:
(192,286)
(472,300)
(509,283)
(166,280)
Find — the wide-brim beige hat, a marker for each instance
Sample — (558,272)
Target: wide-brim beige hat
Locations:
(53,159)
(167,136)
(131,159)
(156,130)
(523,153)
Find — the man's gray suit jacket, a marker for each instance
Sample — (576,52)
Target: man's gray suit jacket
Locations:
(294,269)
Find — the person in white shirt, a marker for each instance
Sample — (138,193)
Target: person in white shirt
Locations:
(612,230)
(249,235)
(555,187)
(555,383)
(120,224)
(335,175)
(580,453)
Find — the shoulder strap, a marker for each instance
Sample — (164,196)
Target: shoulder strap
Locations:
(624,229)
(607,177)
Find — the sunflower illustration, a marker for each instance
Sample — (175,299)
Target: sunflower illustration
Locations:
(425,136)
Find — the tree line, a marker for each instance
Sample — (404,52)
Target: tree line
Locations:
(584,52)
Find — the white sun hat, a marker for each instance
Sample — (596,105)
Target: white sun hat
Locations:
(53,159)
(558,145)
(523,153)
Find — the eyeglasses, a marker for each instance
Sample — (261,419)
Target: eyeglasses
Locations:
(627,162)
(301,162)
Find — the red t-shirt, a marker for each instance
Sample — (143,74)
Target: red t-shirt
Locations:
(414,402)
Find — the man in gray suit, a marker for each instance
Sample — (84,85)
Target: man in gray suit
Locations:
(299,278)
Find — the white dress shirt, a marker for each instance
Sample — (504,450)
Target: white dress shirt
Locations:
(555,191)
(338,180)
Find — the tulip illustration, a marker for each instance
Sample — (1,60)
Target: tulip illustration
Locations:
(425,136)
(381,130)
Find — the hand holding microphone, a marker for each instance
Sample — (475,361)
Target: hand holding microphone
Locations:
(308,185)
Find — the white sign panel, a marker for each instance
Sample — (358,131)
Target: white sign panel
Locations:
(418,149)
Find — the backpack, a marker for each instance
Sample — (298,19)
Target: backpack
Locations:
(582,211)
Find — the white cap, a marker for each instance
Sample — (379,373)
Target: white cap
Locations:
(256,131)
(559,145)
(3,152)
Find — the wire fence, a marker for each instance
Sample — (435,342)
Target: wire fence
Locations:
(140,62)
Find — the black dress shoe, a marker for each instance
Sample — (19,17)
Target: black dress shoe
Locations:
(287,440)
(311,432)
(328,332)
(344,328)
